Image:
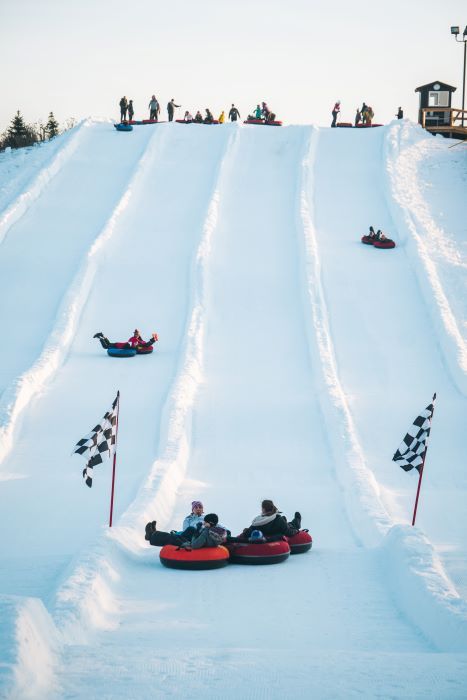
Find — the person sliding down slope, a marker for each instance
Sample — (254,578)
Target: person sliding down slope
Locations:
(272,523)
(135,341)
(210,534)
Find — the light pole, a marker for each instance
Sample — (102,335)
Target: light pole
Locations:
(455,32)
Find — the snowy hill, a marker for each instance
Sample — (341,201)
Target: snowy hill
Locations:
(291,362)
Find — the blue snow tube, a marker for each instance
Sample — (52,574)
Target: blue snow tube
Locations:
(121,352)
(123,127)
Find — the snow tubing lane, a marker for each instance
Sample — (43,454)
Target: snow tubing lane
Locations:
(262,553)
(123,127)
(384,244)
(121,352)
(144,349)
(301,542)
(173,557)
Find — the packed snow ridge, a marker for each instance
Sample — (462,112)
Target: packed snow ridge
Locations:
(291,362)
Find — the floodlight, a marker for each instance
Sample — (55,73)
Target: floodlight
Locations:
(455,30)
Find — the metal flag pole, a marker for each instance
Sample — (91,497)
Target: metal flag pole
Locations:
(114,463)
(422,467)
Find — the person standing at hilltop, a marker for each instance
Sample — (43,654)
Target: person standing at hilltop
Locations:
(131,111)
(234,114)
(171,109)
(154,109)
(335,112)
(123,109)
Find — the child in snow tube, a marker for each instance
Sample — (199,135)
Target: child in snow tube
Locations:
(135,341)
(208,534)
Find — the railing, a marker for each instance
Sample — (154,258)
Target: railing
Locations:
(447,117)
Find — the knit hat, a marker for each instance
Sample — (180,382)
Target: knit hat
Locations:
(196,504)
(257,536)
(211,518)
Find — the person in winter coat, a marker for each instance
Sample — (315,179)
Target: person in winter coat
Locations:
(154,109)
(171,109)
(335,112)
(400,113)
(358,117)
(187,117)
(135,341)
(221,119)
(123,109)
(271,522)
(369,115)
(198,117)
(363,111)
(208,119)
(210,534)
(131,111)
(257,112)
(234,114)
(195,517)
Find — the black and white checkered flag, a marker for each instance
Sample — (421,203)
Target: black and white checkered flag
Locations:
(99,441)
(411,451)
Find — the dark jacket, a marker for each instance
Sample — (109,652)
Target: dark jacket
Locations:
(271,525)
(234,114)
(208,537)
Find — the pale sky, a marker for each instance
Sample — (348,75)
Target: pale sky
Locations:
(78,57)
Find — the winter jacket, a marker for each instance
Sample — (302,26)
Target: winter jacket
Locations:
(171,106)
(192,520)
(154,106)
(257,113)
(209,537)
(136,340)
(275,524)
(221,119)
(234,114)
(123,103)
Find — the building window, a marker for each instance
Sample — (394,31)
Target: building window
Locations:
(438,99)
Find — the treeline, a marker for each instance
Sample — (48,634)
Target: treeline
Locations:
(19,134)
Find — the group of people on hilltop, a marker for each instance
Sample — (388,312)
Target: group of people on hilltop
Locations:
(363,115)
(199,530)
(127,112)
(262,112)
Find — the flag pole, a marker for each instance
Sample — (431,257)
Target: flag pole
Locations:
(114,463)
(422,467)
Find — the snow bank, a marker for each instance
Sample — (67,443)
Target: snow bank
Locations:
(34,188)
(404,151)
(29,643)
(422,590)
(18,395)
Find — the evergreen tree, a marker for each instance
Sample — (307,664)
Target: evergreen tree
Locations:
(52,126)
(20,134)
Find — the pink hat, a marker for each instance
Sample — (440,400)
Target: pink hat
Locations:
(196,504)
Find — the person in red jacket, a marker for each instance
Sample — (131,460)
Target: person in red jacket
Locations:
(135,341)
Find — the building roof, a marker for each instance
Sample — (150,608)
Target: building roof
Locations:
(428,85)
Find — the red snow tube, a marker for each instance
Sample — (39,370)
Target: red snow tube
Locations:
(205,558)
(388,243)
(301,542)
(261,121)
(368,240)
(345,124)
(144,349)
(261,553)
(153,121)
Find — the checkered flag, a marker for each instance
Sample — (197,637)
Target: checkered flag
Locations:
(98,442)
(411,452)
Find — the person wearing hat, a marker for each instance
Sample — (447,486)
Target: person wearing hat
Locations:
(135,341)
(211,534)
(196,516)
(271,522)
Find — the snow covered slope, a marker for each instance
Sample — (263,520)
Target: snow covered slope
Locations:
(291,362)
